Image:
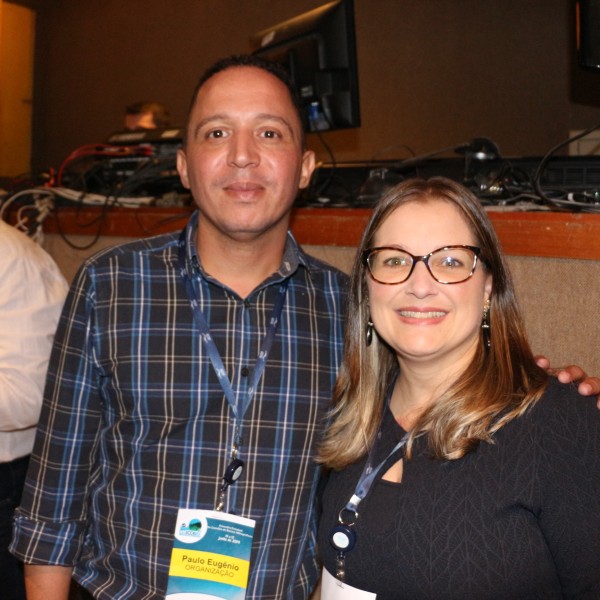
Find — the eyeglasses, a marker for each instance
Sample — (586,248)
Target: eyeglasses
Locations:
(451,264)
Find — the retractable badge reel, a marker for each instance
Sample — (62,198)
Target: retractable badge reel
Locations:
(343,538)
(233,472)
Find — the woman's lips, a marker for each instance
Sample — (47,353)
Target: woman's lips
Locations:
(422,314)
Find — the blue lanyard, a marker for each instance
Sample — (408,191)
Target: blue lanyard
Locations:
(343,536)
(367,477)
(238,405)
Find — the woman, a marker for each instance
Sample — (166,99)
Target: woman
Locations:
(458,470)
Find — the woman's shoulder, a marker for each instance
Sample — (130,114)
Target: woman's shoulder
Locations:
(564,412)
(559,395)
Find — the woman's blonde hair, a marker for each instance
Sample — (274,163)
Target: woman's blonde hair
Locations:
(501,382)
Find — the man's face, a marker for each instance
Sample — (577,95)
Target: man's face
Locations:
(243,160)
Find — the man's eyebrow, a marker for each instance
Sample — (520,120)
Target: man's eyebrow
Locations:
(282,120)
(206,121)
(257,117)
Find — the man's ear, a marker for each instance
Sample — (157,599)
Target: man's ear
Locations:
(308,166)
(182,168)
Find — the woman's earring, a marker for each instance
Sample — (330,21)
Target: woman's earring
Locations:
(369,332)
(485,324)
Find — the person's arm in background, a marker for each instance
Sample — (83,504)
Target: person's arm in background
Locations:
(32,292)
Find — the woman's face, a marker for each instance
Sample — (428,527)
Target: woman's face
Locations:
(422,320)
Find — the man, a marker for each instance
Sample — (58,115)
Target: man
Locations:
(141,419)
(146,115)
(32,292)
(137,423)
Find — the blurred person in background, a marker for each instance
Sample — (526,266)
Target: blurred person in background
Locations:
(32,292)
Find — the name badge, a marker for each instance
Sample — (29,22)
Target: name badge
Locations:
(334,589)
(210,559)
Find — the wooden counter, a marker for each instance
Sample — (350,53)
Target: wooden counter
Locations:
(548,234)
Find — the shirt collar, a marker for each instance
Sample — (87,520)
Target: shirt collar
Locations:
(293,255)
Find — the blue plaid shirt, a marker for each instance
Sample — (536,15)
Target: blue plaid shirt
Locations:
(135,424)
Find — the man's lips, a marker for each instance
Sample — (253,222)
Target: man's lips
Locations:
(243,186)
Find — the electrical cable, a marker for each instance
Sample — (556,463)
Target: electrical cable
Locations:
(561,203)
(90,150)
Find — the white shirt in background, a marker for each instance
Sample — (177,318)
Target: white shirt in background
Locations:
(32,292)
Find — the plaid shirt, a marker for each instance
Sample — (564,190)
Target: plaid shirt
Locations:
(135,424)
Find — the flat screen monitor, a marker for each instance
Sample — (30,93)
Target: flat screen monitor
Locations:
(318,48)
(588,33)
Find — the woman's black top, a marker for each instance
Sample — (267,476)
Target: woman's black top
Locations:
(517,519)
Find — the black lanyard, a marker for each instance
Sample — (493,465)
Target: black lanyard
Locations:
(238,405)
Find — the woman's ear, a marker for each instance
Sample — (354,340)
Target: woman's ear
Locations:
(488,288)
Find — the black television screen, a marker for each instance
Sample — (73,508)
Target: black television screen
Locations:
(588,33)
(318,48)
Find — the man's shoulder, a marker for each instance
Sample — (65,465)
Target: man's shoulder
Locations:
(318,264)
(295,253)
(329,278)
(130,252)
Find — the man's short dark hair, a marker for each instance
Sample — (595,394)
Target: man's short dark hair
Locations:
(251,60)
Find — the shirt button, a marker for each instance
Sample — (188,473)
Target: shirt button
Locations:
(245,371)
